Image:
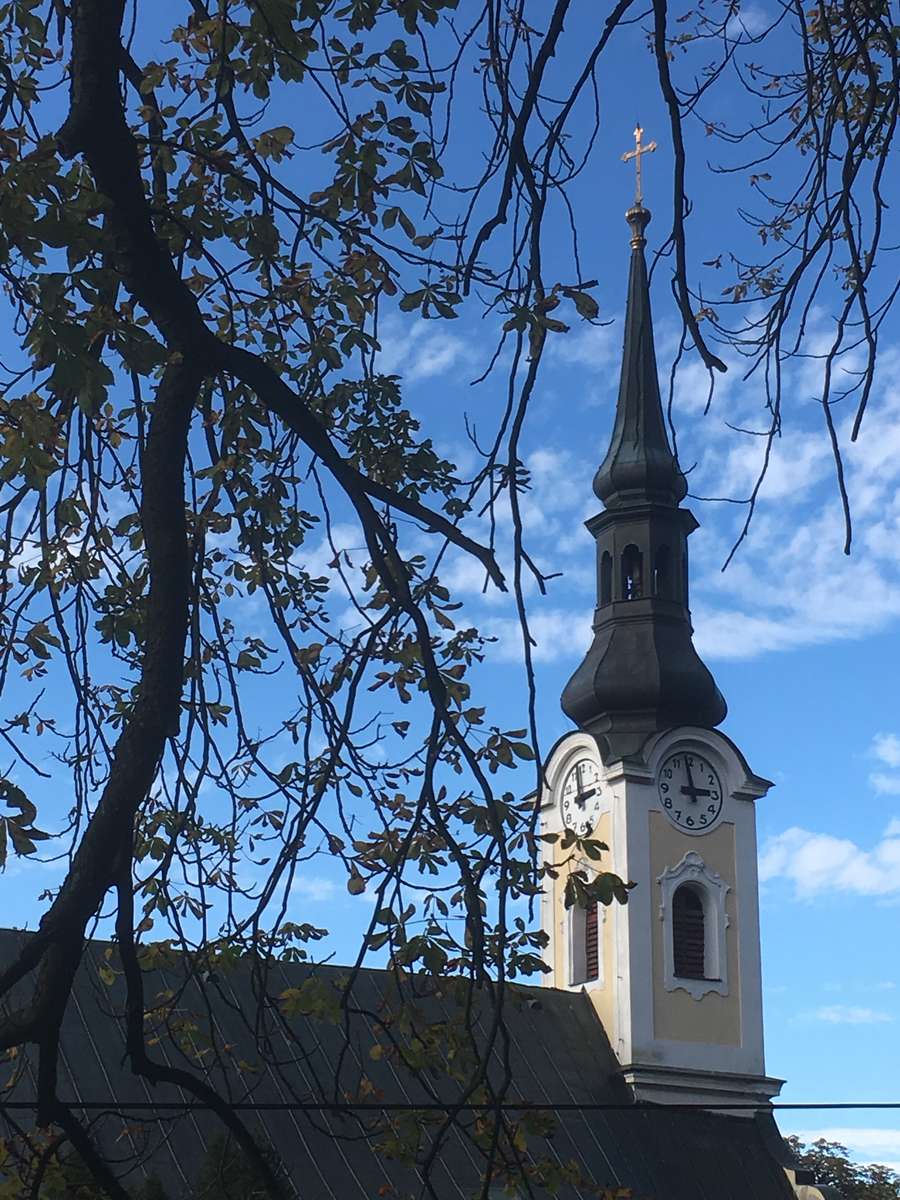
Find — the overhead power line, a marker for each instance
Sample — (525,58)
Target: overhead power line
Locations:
(433,1106)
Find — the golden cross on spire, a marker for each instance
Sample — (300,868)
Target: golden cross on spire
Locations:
(639,150)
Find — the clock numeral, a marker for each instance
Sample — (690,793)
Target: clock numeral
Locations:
(663,787)
(710,779)
(677,814)
(689,820)
(714,796)
(711,808)
(668,772)
(667,802)
(689,760)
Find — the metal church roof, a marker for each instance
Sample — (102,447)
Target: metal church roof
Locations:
(552,1041)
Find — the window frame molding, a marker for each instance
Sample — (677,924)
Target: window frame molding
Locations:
(713,890)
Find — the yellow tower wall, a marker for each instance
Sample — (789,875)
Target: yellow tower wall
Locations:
(677,1016)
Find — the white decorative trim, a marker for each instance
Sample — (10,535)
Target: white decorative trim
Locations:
(567,750)
(557,955)
(744,784)
(660,1084)
(713,890)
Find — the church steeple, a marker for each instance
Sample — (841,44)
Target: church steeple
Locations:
(642,673)
(675,973)
(639,465)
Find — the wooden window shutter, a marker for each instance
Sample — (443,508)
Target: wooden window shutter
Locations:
(591,943)
(688,935)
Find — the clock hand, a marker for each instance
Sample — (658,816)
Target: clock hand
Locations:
(585,795)
(690,790)
(687,767)
(695,792)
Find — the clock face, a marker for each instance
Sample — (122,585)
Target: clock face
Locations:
(581,799)
(690,791)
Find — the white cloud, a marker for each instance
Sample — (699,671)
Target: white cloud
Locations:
(315,888)
(589,346)
(560,634)
(885,785)
(859,985)
(436,355)
(692,390)
(750,20)
(790,585)
(422,349)
(733,634)
(460,573)
(555,505)
(886,748)
(850,1014)
(316,560)
(819,862)
(793,467)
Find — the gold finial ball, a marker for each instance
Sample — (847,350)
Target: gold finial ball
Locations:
(638,219)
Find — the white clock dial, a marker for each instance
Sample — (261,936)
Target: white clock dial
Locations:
(690,791)
(581,798)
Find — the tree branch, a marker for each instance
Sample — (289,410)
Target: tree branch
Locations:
(96,127)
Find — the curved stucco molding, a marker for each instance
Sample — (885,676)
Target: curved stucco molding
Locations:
(713,889)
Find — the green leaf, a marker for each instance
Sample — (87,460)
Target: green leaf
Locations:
(585,305)
(412,300)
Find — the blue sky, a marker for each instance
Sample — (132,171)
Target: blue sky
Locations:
(804,643)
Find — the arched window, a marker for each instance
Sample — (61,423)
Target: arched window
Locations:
(584,944)
(688,933)
(632,573)
(605,578)
(692,908)
(662,583)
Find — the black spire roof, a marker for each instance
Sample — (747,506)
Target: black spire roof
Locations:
(642,673)
(639,464)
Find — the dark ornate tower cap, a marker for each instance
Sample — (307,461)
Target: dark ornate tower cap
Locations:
(639,465)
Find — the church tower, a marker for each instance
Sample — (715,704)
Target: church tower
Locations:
(675,973)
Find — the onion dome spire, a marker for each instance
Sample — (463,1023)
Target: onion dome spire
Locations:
(641,674)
